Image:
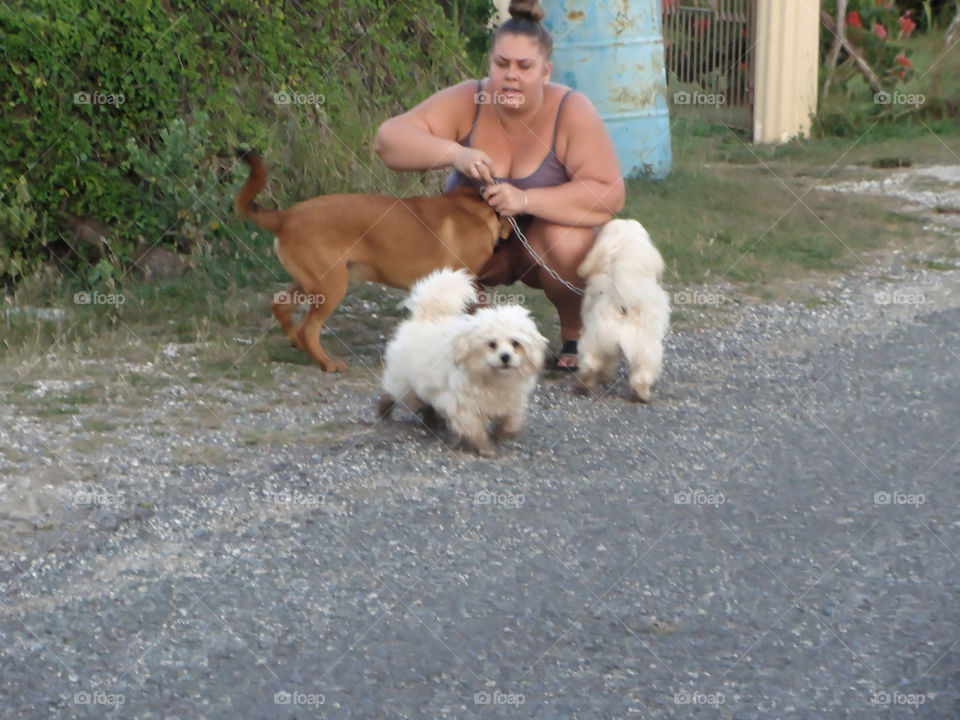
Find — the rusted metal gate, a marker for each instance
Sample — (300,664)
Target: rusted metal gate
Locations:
(709,43)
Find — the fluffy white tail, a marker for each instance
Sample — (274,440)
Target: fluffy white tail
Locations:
(441,294)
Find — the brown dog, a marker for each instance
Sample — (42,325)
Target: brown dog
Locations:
(325,241)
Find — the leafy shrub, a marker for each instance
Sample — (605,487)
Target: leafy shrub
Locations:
(181,186)
(875,29)
(124,113)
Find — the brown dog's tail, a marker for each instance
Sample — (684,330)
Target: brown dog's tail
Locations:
(267,219)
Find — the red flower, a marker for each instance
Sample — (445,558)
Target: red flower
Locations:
(853,19)
(907,25)
(880,31)
(904,60)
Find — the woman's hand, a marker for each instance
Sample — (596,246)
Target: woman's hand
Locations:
(473,163)
(505,199)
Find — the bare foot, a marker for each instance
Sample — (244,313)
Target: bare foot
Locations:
(567,358)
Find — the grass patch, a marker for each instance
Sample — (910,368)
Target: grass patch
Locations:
(100,425)
(201,454)
(322,433)
(69,403)
(236,369)
(939,265)
(816,302)
(732,212)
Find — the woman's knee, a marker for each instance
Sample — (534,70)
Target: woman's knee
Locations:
(563,246)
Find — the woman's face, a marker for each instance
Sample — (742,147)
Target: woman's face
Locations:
(518,71)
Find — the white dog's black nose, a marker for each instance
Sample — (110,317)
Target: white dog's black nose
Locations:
(505,358)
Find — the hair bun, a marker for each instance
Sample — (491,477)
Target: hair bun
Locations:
(529,10)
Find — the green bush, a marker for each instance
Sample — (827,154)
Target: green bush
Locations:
(127,113)
(873,28)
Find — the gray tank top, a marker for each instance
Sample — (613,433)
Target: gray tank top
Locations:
(550,172)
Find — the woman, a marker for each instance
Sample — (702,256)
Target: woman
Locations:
(544,143)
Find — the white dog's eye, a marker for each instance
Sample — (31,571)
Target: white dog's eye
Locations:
(492,344)
(515,343)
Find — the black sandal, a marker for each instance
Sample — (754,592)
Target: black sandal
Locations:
(569,348)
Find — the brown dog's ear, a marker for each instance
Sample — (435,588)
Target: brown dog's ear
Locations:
(505,228)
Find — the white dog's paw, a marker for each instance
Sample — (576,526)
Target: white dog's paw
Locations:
(480,444)
(508,427)
(580,387)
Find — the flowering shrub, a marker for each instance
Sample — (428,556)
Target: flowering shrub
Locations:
(875,28)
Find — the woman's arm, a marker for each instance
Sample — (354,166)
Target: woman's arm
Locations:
(425,138)
(595,191)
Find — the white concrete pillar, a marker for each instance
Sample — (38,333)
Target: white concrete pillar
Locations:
(787,59)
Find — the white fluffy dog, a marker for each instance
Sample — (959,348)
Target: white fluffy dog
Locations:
(625,311)
(470,369)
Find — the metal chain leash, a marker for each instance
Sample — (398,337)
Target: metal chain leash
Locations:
(553,273)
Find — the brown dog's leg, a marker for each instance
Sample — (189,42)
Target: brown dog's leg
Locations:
(497,269)
(283,305)
(431,419)
(323,301)
(385,406)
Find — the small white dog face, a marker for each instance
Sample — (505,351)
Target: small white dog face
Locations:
(499,354)
(499,340)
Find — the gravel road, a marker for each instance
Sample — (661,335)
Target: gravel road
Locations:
(777,535)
